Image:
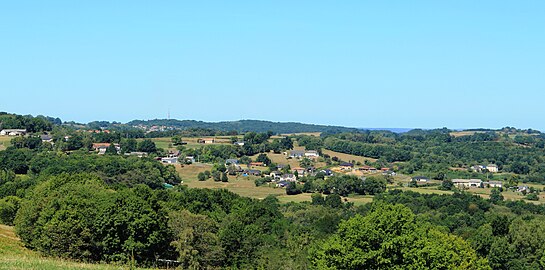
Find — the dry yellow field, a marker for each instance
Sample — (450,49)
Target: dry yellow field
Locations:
(5,142)
(347,157)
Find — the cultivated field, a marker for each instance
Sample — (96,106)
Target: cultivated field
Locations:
(347,157)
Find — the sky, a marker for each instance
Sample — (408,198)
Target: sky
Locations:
(411,64)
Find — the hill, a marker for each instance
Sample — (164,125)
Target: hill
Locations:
(243,126)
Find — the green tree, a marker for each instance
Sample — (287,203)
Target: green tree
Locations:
(147,146)
(495,196)
(292,189)
(111,150)
(224,177)
(263,158)
(196,240)
(201,176)
(390,237)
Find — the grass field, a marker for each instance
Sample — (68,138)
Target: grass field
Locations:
(5,141)
(347,157)
(14,256)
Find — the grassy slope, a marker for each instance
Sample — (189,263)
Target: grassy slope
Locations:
(5,142)
(14,256)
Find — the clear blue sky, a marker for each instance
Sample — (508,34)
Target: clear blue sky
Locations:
(426,64)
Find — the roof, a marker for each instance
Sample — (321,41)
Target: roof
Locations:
(231,160)
(14,130)
(467,181)
(420,177)
(491,165)
(347,164)
(297,152)
(45,137)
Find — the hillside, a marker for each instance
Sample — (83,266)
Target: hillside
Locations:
(14,256)
(243,126)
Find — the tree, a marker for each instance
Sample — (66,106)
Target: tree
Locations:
(374,185)
(390,237)
(317,199)
(263,158)
(224,177)
(333,201)
(111,150)
(147,146)
(447,184)
(495,196)
(196,240)
(216,175)
(286,143)
(201,176)
(292,189)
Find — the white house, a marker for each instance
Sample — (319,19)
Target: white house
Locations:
(288,177)
(169,160)
(13,132)
(493,184)
(297,153)
(312,154)
(422,179)
(469,183)
(492,168)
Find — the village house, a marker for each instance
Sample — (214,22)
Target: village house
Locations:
(190,159)
(13,132)
(251,172)
(101,147)
(300,171)
(231,161)
(467,183)
(296,153)
(421,179)
(346,166)
(282,184)
(478,168)
(137,154)
(288,177)
(275,174)
(493,184)
(327,172)
(238,143)
(389,173)
(46,138)
(169,160)
(493,168)
(368,169)
(206,140)
(312,154)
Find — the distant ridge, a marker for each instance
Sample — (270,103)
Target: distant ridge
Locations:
(244,126)
(394,130)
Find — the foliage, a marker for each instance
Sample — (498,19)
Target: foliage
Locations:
(390,237)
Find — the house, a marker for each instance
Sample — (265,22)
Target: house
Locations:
(190,159)
(101,147)
(46,138)
(13,132)
(493,184)
(231,161)
(257,164)
(389,173)
(478,168)
(252,172)
(467,183)
(169,160)
(312,154)
(282,184)
(288,177)
(275,174)
(300,171)
(137,154)
(523,189)
(385,169)
(346,166)
(175,153)
(327,172)
(281,166)
(421,179)
(206,140)
(239,143)
(493,168)
(296,154)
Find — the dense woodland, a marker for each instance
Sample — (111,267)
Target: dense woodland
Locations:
(69,202)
